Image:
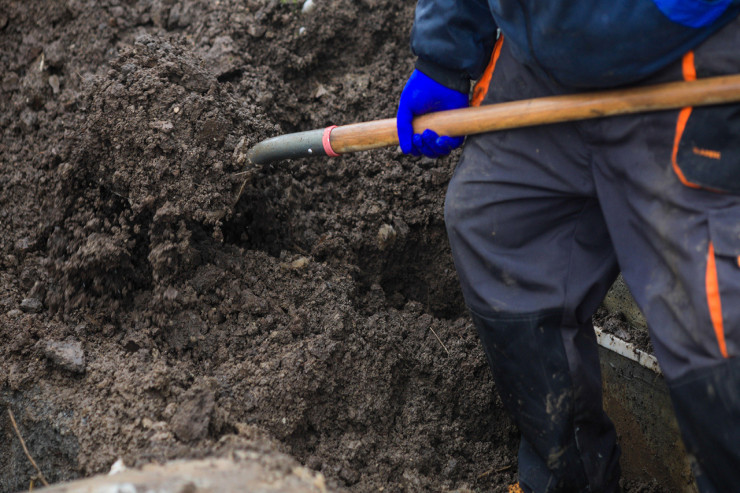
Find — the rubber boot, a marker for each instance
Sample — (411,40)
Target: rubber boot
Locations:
(549,380)
(707,404)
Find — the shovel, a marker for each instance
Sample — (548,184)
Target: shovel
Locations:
(335,141)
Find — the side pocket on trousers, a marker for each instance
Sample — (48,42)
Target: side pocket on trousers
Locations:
(723,276)
(707,150)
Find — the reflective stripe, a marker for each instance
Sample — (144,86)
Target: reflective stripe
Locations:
(481,87)
(714,302)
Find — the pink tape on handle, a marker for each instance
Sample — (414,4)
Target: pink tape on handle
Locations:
(327,144)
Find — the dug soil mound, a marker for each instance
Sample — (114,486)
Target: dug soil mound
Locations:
(161,298)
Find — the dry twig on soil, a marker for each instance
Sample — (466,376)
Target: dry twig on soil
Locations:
(248,175)
(497,471)
(440,341)
(25,449)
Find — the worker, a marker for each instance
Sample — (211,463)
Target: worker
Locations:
(541,220)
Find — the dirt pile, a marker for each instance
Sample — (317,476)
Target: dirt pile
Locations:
(153,171)
(148,314)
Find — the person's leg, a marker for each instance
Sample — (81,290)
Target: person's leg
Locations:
(534,260)
(678,244)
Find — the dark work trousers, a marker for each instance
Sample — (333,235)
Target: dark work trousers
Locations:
(541,220)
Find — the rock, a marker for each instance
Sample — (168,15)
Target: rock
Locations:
(118,467)
(322,91)
(170,294)
(162,126)
(68,355)
(221,57)
(24,244)
(386,236)
(299,263)
(240,151)
(193,415)
(32,305)
(35,85)
(308,6)
(54,83)
(14,313)
(256,30)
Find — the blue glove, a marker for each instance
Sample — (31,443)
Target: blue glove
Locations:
(423,94)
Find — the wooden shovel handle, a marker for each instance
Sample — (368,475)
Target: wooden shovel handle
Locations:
(529,112)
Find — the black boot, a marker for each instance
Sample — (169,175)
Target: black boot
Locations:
(549,379)
(707,404)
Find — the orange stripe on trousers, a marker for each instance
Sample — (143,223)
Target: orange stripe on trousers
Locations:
(714,302)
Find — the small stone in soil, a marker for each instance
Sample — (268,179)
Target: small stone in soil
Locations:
(308,6)
(193,415)
(68,355)
(386,236)
(32,305)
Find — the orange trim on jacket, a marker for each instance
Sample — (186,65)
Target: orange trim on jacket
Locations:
(481,87)
(689,74)
(688,66)
(714,302)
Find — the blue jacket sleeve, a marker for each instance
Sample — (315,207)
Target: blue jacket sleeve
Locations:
(453,40)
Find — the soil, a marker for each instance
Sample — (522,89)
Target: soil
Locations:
(161,299)
(617,324)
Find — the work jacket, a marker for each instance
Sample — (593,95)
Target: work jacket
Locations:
(581,44)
